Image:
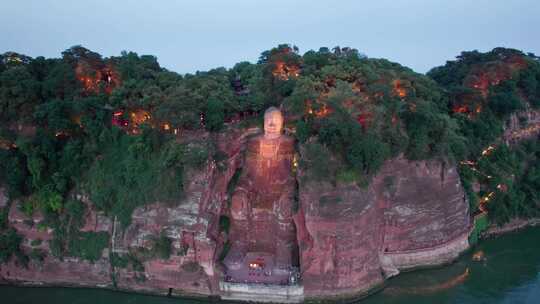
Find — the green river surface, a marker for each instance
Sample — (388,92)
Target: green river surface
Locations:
(510,273)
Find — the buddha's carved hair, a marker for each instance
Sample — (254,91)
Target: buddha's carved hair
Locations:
(272,110)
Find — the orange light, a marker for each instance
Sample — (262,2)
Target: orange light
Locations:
(461,109)
(283,71)
(487,151)
(478,256)
(478,109)
(398,89)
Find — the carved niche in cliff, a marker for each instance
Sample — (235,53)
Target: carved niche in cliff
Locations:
(263,237)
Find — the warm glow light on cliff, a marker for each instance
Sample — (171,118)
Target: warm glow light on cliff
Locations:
(478,109)
(132,123)
(467,109)
(487,151)
(486,198)
(139,117)
(399,90)
(6,144)
(255,265)
(478,256)
(284,72)
(323,111)
(94,78)
(460,109)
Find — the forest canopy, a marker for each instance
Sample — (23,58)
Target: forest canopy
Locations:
(78,122)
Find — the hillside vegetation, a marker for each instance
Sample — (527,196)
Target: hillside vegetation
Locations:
(123,129)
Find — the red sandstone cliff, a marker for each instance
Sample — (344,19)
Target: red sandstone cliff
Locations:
(191,223)
(349,238)
(69,271)
(352,237)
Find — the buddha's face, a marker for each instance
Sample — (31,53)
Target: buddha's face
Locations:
(273,123)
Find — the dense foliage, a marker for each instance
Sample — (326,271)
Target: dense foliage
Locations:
(124,130)
(9,245)
(484,90)
(510,182)
(368,110)
(69,240)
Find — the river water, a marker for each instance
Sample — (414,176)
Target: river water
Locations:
(508,273)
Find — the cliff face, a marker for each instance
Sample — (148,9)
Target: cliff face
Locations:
(522,125)
(192,224)
(68,271)
(339,243)
(349,238)
(352,237)
(424,205)
(426,214)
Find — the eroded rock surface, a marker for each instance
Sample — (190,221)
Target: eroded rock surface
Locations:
(69,271)
(192,224)
(339,246)
(424,204)
(349,238)
(352,238)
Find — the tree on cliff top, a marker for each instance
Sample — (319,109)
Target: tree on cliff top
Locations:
(358,110)
(485,88)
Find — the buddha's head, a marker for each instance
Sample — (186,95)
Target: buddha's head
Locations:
(273,123)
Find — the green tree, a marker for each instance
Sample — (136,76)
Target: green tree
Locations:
(162,246)
(367,153)
(214,115)
(9,244)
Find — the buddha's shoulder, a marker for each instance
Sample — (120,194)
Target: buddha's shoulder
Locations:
(255,141)
(283,141)
(286,145)
(287,139)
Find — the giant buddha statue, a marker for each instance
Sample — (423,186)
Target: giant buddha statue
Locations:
(262,228)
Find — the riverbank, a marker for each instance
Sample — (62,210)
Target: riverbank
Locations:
(174,295)
(508,274)
(512,226)
(493,231)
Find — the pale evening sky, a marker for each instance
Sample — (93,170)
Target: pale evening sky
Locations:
(187,36)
